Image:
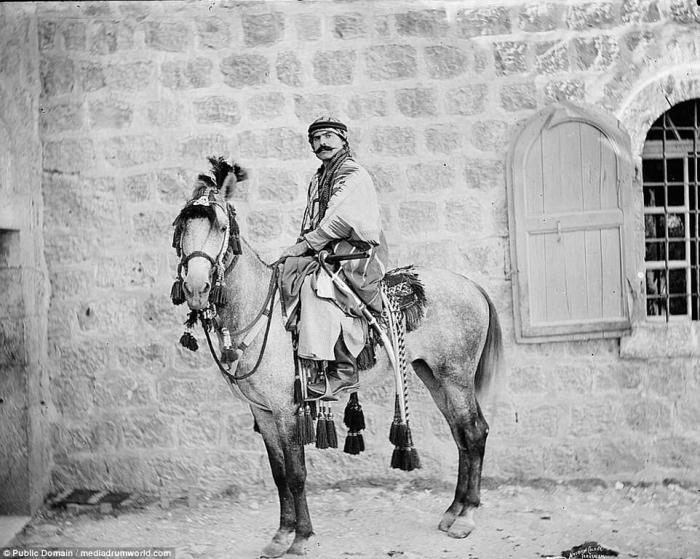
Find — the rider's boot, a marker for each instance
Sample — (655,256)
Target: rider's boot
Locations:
(341,374)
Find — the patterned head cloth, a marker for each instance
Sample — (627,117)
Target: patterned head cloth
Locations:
(328,123)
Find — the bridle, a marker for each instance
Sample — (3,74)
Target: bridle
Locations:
(205,204)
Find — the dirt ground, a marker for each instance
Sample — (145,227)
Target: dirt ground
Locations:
(379,519)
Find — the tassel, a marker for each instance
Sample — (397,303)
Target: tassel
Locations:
(308,430)
(177,293)
(228,354)
(354,443)
(189,341)
(299,437)
(218,294)
(354,418)
(330,427)
(321,431)
(367,358)
(298,397)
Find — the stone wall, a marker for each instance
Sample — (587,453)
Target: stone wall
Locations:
(24,441)
(135,95)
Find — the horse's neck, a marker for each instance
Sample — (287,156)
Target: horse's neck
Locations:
(247,284)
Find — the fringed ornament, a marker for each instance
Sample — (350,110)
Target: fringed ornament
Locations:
(189,341)
(321,431)
(298,396)
(354,443)
(177,293)
(218,294)
(394,430)
(228,354)
(309,434)
(354,418)
(330,427)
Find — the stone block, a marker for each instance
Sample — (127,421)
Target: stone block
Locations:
(683,12)
(552,57)
(136,270)
(309,107)
(128,151)
(71,283)
(391,62)
(483,21)
(57,75)
(245,69)
(120,389)
(73,397)
(106,37)
(152,357)
(393,140)
(510,57)
(387,178)
(349,26)
(308,27)
(153,224)
(595,417)
(213,33)
(117,314)
(429,177)
(134,76)
(168,36)
(688,412)
(422,23)
(174,185)
(200,147)
(110,113)
(66,440)
(278,185)
(467,100)
(61,117)
(186,394)
(648,416)
(596,53)
(186,74)
(289,70)
(490,135)
(263,226)
(677,452)
(136,10)
(592,15)
(68,155)
(334,67)
(262,29)
(540,17)
(639,40)
(12,332)
(90,75)
(416,218)
(200,430)
(165,113)
(148,431)
(484,174)
(46,31)
(217,110)
(277,143)
(443,138)
(519,97)
(107,434)
(367,105)
(639,11)
(73,34)
(559,90)
(416,102)
(444,62)
(462,216)
(266,105)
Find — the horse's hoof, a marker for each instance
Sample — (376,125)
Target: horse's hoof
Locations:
(446,523)
(300,546)
(278,546)
(461,528)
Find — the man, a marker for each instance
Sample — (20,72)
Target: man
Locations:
(342,217)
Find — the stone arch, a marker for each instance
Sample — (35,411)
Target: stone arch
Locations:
(647,103)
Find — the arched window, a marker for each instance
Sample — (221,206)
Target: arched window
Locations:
(672,214)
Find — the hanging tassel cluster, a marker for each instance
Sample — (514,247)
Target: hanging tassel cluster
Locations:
(326,435)
(177,293)
(218,293)
(228,354)
(189,341)
(354,420)
(304,431)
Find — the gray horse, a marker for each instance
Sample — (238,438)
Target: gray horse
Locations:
(456,352)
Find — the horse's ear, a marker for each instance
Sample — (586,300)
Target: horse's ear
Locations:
(238,174)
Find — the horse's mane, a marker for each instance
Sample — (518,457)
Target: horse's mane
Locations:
(220,169)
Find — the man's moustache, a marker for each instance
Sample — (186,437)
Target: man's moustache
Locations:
(323,148)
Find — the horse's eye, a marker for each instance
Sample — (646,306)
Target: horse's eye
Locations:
(222,228)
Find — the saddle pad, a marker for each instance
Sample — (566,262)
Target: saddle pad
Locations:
(404,287)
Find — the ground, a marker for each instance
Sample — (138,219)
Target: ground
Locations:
(380,519)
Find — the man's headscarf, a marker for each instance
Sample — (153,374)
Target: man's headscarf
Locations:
(328,123)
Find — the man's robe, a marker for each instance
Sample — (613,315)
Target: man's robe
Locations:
(350,224)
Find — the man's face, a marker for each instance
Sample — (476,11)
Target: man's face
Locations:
(326,144)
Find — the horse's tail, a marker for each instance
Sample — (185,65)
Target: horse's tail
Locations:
(489,371)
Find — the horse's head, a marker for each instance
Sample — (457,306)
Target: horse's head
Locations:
(207,237)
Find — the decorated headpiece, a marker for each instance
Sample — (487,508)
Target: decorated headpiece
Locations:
(328,123)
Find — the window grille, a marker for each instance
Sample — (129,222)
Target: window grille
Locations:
(672,214)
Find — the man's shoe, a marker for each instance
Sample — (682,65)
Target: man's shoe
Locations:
(333,383)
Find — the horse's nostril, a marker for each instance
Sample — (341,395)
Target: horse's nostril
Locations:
(187,289)
(206,287)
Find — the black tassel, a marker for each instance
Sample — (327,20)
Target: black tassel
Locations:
(367,358)
(321,432)
(354,418)
(298,397)
(299,437)
(189,341)
(177,293)
(218,294)
(354,443)
(229,355)
(309,434)
(192,319)
(330,427)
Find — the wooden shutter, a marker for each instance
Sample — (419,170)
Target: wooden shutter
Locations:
(569,181)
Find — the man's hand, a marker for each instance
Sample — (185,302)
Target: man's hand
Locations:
(298,249)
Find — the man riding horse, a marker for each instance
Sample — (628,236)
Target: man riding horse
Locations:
(342,217)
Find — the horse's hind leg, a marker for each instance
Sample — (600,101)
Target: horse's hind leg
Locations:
(470,433)
(282,540)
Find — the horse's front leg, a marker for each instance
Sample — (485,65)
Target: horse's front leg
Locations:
(295,466)
(281,541)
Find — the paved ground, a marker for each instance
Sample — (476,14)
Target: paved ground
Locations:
(379,520)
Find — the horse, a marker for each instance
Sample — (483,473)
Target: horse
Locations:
(456,351)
